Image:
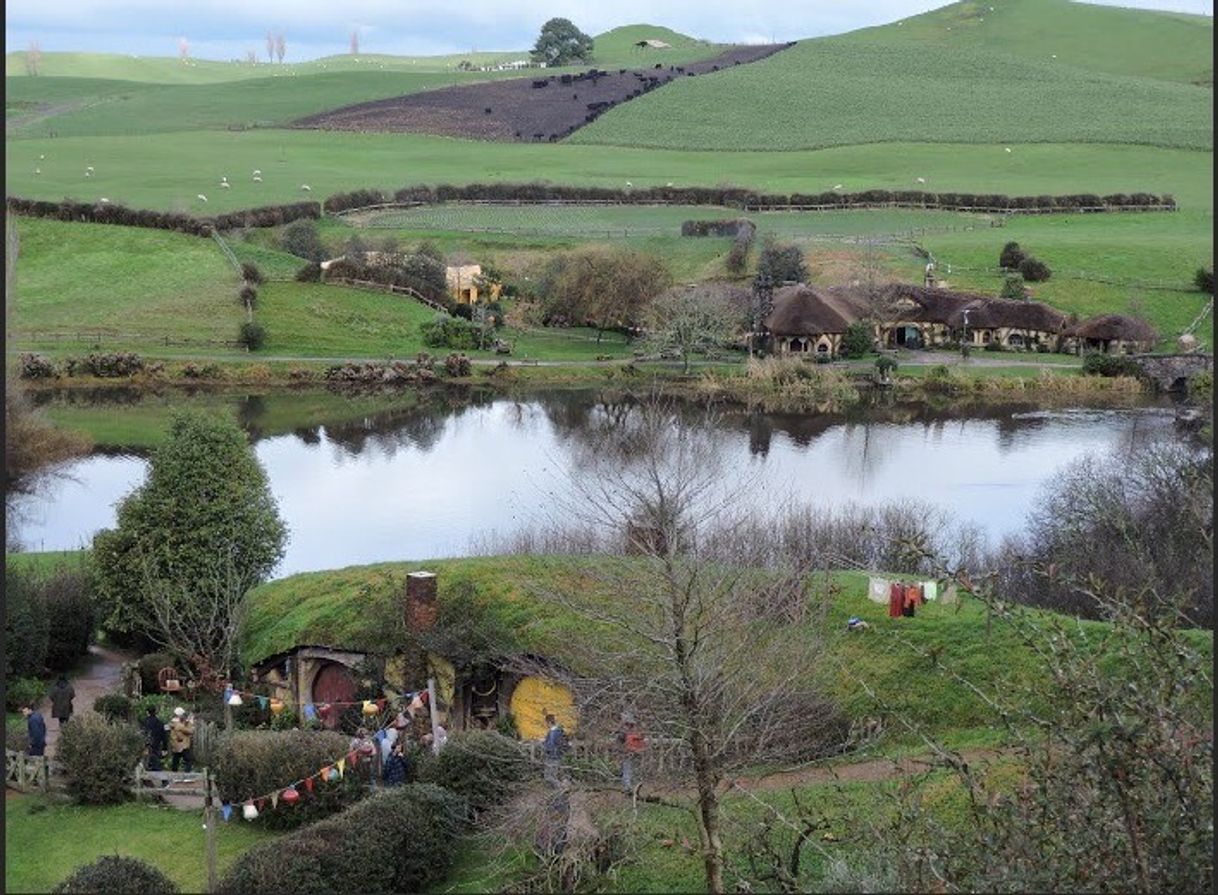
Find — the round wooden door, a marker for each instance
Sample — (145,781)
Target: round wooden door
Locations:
(333,683)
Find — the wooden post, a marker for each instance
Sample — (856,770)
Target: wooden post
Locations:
(431,704)
(21,771)
(139,780)
(209,814)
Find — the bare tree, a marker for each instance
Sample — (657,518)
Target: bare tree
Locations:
(183,49)
(689,320)
(713,660)
(270,47)
(280,47)
(354,44)
(251,57)
(33,58)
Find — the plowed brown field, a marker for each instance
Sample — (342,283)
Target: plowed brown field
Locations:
(545,108)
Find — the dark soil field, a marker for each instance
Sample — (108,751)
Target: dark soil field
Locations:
(544,108)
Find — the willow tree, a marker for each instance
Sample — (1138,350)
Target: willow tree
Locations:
(190,541)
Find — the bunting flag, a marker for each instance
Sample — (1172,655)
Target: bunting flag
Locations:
(261,803)
(310,712)
(342,766)
(275,799)
(226,811)
(263,701)
(309,784)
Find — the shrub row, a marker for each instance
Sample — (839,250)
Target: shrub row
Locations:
(1096,364)
(739,197)
(419,372)
(730,227)
(400,840)
(99,757)
(421,273)
(109,365)
(49,620)
(249,764)
(451,332)
(110,213)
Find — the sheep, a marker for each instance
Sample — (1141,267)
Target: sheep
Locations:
(225,185)
(37,170)
(669,183)
(257,180)
(837,186)
(201,197)
(306,188)
(257,172)
(88,167)
(42,158)
(103,200)
(88,174)
(628,183)
(1006,148)
(223,179)
(920,179)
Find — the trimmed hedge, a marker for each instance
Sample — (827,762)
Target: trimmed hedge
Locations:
(117,873)
(251,763)
(1096,364)
(401,840)
(481,766)
(99,757)
(109,213)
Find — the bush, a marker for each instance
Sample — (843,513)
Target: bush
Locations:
(400,840)
(114,707)
(1012,288)
(26,628)
(68,599)
(1034,270)
(1203,279)
(858,339)
(451,332)
(251,763)
(117,873)
(300,238)
(19,691)
(99,757)
(251,336)
(251,273)
(110,365)
(35,366)
(1011,256)
(191,370)
(1096,364)
(481,766)
(885,365)
(310,273)
(457,365)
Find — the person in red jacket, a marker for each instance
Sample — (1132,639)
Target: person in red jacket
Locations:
(633,745)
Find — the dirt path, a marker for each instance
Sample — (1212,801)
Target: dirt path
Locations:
(100,673)
(873,771)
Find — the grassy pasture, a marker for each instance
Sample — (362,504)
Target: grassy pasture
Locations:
(168,170)
(1145,43)
(835,92)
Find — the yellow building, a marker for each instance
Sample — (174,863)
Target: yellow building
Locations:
(462,282)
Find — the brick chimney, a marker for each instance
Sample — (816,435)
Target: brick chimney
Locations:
(421,606)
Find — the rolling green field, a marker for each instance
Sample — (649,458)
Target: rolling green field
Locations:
(168,170)
(837,92)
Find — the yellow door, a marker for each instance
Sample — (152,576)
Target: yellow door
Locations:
(534,698)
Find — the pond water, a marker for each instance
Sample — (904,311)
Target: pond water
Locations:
(433,479)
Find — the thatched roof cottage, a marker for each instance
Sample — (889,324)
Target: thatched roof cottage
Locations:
(1111,334)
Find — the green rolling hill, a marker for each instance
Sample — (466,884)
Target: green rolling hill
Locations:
(927,81)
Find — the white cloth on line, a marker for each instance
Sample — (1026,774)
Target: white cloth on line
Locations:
(877,590)
(930,590)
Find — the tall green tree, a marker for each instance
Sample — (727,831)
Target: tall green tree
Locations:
(190,541)
(561,43)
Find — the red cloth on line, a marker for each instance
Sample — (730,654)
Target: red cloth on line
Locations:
(896,600)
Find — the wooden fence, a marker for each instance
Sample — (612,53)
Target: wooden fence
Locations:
(28,772)
(386,287)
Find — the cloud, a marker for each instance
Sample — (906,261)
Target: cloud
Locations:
(226,28)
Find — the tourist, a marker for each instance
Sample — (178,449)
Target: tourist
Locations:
(396,766)
(633,743)
(36,726)
(553,747)
(154,738)
(363,750)
(181,738)
(61,701)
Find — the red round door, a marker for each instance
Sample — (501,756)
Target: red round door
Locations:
(333,684)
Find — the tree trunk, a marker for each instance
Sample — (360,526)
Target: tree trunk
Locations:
(708,825)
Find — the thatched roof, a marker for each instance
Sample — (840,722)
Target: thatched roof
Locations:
(801,310)
(991,313)
(1108,327)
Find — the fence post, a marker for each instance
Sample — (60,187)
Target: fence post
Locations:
(21,771)
(139,780)
(210,823)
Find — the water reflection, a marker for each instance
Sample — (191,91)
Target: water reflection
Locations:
(406,477)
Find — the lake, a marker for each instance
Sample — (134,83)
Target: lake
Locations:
(360,481)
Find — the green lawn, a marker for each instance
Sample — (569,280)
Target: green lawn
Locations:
(43,844)
(133,285)
(168,170)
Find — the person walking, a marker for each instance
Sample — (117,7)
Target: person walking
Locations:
(62,695)
(154,738)
(396,766)
(553,747)
(36,727)
(181,738)
(633,745)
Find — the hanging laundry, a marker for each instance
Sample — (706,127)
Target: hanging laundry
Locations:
(226,811)
(310,712)
(877,590)
(896,600)
(908,600)
(930,590)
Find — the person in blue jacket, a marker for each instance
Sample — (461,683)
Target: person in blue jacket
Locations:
(36,725)
(553,747)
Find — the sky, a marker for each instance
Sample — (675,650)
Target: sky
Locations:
(228,29)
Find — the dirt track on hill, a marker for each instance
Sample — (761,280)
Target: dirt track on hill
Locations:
(543,108)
